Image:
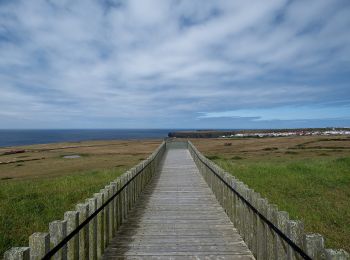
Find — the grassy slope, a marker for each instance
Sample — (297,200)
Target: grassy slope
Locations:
(312,185)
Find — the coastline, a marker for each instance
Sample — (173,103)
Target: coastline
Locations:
(16,137)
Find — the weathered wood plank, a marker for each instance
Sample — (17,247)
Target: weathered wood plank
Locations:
(177,217)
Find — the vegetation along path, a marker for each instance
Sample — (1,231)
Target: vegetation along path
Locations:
(178,217)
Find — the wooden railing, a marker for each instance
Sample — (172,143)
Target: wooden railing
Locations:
(85,232)
(268,232)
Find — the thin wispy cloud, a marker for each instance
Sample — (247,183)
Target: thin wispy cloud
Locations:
(283,113)
(160,63)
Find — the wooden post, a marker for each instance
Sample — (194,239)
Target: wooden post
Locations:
(100,225)
(106,217)
(262,246)
(314,246)
(271,236)
(239,208)
(128,174)
(17,253)
(39,244)
(119,204)
(83,209)
(92,229)
(72,218)
(250,219)
(235,205)
(125,199)
(122,200)
(295,231)
(331,254)
(232,201)
(58,231)
(110,206)
(282,247)
(255,225)
(114,215)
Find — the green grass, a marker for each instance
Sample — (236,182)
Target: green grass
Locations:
(27,206)
(315,190)
(213,157)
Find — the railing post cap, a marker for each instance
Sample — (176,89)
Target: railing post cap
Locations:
(313,236)
(55,222)
(39,235)
(113,184)
(284,214)
(98,195)
(82,206)
(88,200)
(71,213)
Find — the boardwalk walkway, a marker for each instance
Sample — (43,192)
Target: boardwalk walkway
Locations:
(178,217)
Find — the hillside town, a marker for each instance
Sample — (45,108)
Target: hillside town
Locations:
(291,133)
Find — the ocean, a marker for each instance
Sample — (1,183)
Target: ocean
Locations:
(28,137)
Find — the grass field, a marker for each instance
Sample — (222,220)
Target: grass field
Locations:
(309,177)
(36,192)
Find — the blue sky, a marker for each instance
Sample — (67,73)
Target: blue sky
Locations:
(174,64)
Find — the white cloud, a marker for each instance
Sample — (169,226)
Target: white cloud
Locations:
(158,59)
(283,113)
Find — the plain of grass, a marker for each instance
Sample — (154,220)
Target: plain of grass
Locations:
(27,206)
(34,193)
(307,184)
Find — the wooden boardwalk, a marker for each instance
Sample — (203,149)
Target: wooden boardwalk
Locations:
(178,217)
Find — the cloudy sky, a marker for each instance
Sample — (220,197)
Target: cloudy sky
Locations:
(174,64)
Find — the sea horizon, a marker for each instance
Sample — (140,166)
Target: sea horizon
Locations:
(20,137)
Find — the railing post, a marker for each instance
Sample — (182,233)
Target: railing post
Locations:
(123,200)
(256,225)
(245,223)
(282,247)
(295,231)
(129,189)
(119,204)
(332,254)
(83,209)
(114,207)
(239,208)
(72,218)
(58,231)
(250,217)
(100,225)
(106,218)
(17,253)
(110,206)
(232,202)
(39,244)
(92,228)
(314,245)
(271,215)
(262,238)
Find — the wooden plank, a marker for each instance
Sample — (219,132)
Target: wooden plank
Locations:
(177,217)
